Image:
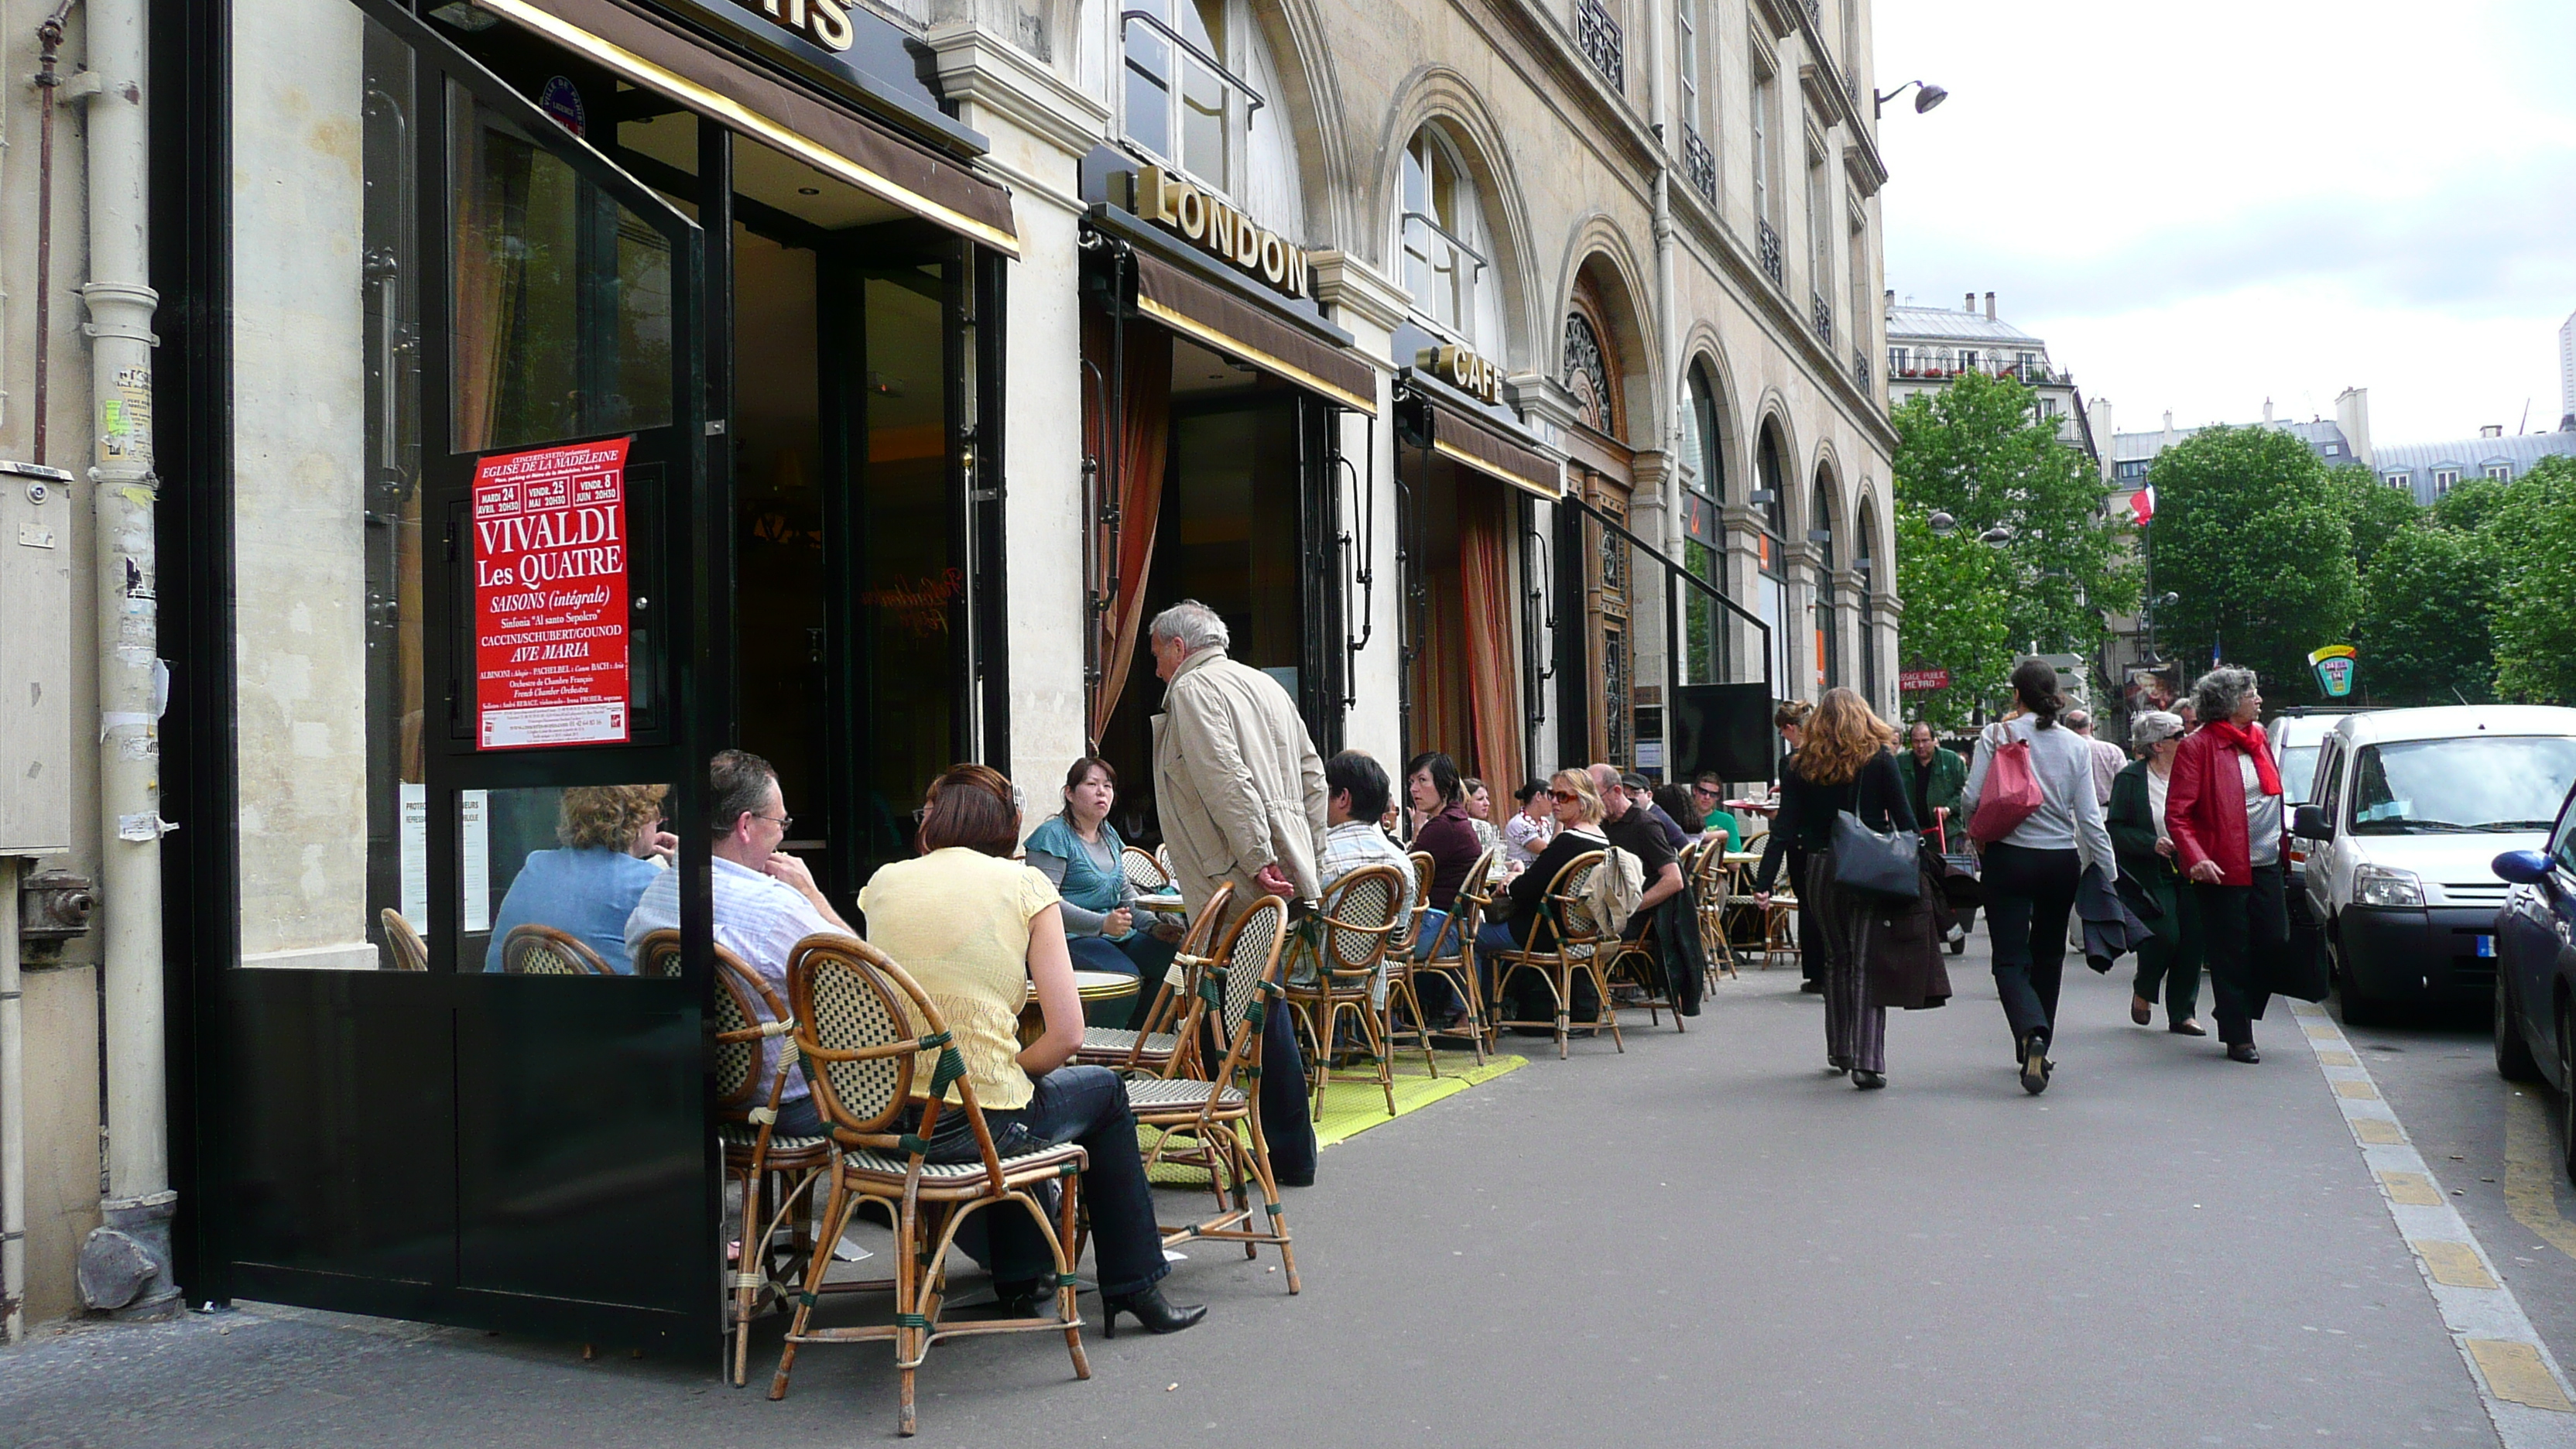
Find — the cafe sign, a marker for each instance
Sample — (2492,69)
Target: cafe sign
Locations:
(1463,370)
(825,22)
(1221,229)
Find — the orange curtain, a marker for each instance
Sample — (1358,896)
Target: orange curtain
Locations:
(1436,695)
(1493,683)
(1132,449)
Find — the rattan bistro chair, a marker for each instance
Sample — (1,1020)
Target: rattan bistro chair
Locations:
(1215,1117)
(1574,942)
(1143,871)
(1151,1048)
(1405,939)
(1453,957)
(865,1027)
(402,943)
(1712,890)
(1348,936)
(534,950)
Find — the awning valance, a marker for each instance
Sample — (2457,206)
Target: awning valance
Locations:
(1207,314)
(836,141)
(1463,434)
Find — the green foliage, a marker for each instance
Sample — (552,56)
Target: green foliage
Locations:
(2469,503)
(1957,594)
(2530,533)
(2424,635)
(1979,451)
(2252,534)
(2372,510)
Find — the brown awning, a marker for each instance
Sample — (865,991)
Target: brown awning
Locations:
(830,138)
(1460,435)
(1206,313)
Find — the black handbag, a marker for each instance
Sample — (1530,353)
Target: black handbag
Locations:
(1887,865)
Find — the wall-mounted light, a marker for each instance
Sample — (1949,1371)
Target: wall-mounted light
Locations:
(1925,99)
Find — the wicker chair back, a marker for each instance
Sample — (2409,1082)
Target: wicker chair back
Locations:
(410,952)
(1248,953)
(1143,872)
(742,1002)
(534,950)
(1358,914)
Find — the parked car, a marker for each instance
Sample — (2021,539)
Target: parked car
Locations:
(2410,807)
(2298,735)
(2535,985)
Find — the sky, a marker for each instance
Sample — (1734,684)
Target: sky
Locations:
(2202,205)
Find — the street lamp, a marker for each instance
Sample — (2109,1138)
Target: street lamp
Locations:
(1997,536)
(1942,524)
(1924,99)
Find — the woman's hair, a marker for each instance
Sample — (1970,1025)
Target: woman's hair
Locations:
(970,805)
(607,817)
(1444,776)
(2034,683)
(1522,795)
(1843,736)
(2153,728)
(1587,800)
(1791,712)
(1677,803)
(1081,771)
(1468,785)
(2215,694)
(1359,772)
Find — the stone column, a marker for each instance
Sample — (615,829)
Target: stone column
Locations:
(1741,570)
(1848,584)
(1370,306)
(1800,561)
(1548,410)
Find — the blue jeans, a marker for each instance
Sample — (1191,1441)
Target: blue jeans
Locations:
(1141,955)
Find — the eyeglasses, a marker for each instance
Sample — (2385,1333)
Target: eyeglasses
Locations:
(781,821)
(1563,797)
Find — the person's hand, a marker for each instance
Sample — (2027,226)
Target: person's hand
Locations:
(1118,922)
(2208,873)
(1272,881)
(2164,848)
(1762,899)
(1168,930)
(784,867)
(663,846)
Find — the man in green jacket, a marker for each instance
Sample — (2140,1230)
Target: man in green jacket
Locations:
(1933,777)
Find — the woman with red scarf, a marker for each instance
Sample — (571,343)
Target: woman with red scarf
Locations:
(2223,812)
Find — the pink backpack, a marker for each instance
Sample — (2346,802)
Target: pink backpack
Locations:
(2012,791)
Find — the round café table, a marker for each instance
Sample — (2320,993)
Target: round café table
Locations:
(1092,986)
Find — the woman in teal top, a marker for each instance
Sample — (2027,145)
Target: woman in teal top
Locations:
(1079,851)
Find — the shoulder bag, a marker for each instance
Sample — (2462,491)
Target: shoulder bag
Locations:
(2012,788)
(1868,861)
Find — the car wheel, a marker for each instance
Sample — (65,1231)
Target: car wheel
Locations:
(2513,1058)
(2358,1008)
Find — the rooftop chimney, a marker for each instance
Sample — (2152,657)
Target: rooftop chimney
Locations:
(2352,416)
(1972,302)
(1990,306)
(1891,296)
(2267,412)
(2491,430)
(2169,420)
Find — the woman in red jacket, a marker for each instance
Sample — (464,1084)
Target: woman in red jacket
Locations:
(2223,812)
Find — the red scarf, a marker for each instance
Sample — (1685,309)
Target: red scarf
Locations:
(2250,741)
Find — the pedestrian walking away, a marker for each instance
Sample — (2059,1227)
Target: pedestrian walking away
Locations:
(1847,763)
(2034,863)
(2223,811)
(1790,719)
(2151,884)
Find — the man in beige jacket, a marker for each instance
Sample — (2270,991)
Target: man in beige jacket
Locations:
(1240,793)
(1237,781)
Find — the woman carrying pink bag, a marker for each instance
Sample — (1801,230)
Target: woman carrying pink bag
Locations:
(2031,806)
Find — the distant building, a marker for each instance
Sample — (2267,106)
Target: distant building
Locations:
(2429,470)
(2340,440)
(2567,374)
(1929,346)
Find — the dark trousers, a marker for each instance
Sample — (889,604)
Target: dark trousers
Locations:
(1855,1026)
(2173,962)
(1810,967)
(2247,932)
(1078,1104)
(2029,895)
(1285,1127)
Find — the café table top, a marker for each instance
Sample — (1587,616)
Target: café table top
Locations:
(1171,903)
(1097,985)
(1744,857)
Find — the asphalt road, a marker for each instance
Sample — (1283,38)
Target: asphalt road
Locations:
(1706,1240)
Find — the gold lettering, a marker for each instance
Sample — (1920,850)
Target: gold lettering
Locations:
(1296,286)
(1274,259)
(1222,222)
(1246,251)
(796,14)
(832,24)
(1192,213)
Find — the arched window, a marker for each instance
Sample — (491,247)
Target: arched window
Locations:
(1868,565)
(1703,531)
(1442,237)
(1772,596)
(1829,670)
(1195,89)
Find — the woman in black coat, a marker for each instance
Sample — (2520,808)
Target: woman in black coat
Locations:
(2149,882)
(1846,763)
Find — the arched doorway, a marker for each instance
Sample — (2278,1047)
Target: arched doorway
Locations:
(1771,589)
(1596,648)
(1820,536)
(1703,494)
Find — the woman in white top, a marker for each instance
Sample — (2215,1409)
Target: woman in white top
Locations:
(2031,873)
(2150,884)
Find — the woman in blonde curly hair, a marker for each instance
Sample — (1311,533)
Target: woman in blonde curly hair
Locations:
(1846,761)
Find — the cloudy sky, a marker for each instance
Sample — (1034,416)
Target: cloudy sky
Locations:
(2200,204)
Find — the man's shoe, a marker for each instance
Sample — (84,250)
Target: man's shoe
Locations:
(2243,1051)
(1152,1309)
(2034,1063)
(2188,1027)
(2140,1009)
(1867,1080)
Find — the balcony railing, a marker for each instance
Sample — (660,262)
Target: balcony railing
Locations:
(1822,314)
(1598,36)
(1442,272)
(1816,13)
(1766,242)
(1913,366)
(1699,163)
(1860,368)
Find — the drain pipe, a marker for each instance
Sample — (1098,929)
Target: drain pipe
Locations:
(125,1266)
(49,45)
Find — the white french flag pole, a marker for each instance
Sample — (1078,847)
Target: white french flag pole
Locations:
(2143,504)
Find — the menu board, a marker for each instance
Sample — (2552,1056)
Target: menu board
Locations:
(550,642)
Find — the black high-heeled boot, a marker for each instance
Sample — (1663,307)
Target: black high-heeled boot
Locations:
(1152,1309)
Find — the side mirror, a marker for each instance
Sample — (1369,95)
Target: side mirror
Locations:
(2309,822)
(2522,867)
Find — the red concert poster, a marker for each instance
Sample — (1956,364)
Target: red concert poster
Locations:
(550,597)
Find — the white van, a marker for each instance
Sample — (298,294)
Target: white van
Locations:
(2408,809)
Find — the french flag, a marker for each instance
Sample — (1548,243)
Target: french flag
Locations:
(2143,505)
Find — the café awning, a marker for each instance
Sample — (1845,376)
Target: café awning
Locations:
(1464,434)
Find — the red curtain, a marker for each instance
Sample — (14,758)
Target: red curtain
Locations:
(1493,686)
(1132,449)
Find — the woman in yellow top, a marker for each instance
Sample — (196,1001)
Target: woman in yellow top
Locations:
(975,927)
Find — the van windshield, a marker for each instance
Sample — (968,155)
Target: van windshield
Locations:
(2478,783)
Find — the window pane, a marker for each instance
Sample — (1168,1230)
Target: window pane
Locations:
(563,297)
(915,587)
(1149,94)
(326,512)
(552,874)
(1203,108)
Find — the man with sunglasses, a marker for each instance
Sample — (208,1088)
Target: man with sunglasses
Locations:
(1708,796)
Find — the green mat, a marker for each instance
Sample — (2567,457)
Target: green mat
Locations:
(1353,1102)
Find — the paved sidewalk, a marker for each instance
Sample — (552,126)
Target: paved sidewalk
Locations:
(1706,1241)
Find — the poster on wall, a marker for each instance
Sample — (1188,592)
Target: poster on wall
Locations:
(550,642)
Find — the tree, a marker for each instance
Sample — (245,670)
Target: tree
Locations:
(2372,510)
(2250,532)
(1957,595)
(2424,635)
(2530,532)
(1980,451)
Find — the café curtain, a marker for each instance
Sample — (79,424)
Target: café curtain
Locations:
(1493,686)
(486,279)
(1131,449)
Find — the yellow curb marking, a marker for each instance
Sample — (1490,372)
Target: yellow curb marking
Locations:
(2530,1176)
(2358,1091)
(2322,1031)
(2338,1059)
(2514,1372)
(2454,1264)
(2378,1131)
(2414,1189)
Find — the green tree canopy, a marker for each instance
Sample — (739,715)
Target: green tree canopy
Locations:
(1980,451)
(2252,535)
(2530,532)
(2372,510)
(1957,594)
(2424,634)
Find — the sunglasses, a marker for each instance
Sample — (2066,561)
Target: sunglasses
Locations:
(1563,797)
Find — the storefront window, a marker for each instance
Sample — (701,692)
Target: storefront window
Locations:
(550,875)
(1772,597)
(1704,543)
(1829,670)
